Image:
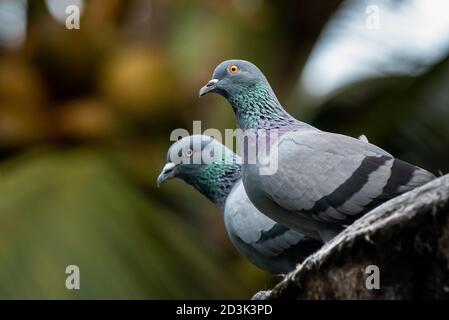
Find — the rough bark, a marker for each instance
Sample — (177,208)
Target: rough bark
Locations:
(406,237)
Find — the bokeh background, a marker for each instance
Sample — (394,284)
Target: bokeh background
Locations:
(86,115)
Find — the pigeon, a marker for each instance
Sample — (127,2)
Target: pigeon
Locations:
(323,181)
(267,244)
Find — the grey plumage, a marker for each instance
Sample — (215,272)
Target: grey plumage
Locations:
(363,138)
(267,244)
(324,180)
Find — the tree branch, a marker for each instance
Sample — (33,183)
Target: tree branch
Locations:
(406,237)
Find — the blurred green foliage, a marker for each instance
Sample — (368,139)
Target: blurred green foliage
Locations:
(72,207)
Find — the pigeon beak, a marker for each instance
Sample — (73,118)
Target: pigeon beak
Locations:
(166,173)
(210,86)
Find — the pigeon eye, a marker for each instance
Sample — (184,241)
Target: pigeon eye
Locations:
(189,153)
(233,69)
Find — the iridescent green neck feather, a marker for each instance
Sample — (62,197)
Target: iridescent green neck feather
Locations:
(215,181)
(257,107)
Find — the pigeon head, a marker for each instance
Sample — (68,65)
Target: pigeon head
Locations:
(204,163)
(232,77)
(249,93)
(184,158)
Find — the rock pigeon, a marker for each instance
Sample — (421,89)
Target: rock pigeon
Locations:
(267,244)
(323,181)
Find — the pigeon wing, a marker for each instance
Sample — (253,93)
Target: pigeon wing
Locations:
(336,178)
(248,225)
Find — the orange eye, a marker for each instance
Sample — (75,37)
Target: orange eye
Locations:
(233,69)
(189,153)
